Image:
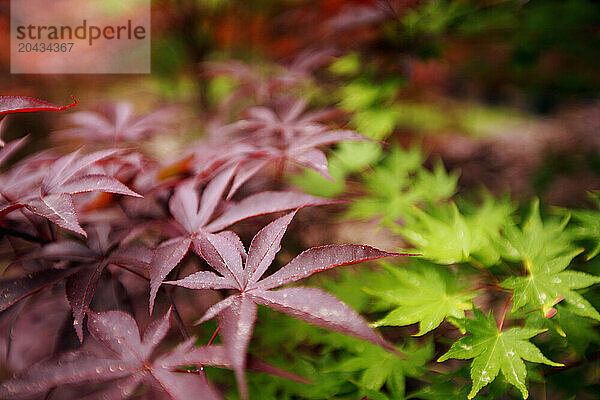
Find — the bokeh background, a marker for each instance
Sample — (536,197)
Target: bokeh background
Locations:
(506,91)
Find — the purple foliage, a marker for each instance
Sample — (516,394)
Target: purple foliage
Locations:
(124,361)
(102,230)
(20,104)
(237,313)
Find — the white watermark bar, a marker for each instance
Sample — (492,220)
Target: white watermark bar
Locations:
(80,37)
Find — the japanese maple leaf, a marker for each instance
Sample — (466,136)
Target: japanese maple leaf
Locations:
(381,367)
(268,136)
(587,225)
(493,351)
(12,290)
(546,251)
(8,149)
(305,63)
(116,122)
(547,283)
(288,120)
(66,177)
(91,260)
(237,313)
(263,86)
(22,180)
(20,104)
(195,217)
(426,295)
(131,364)
(361,16)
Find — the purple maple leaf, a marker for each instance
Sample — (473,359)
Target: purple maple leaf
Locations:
(285,134)
(88,262)
(20,104)
(115,123)
(130,364)
(263,86)
(8,149)
(65,177)
(237,313)
(195,217)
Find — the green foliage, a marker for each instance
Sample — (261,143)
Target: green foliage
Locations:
(327,384)
(546,251)
(534,260)
(425,294)
(380,367)
(399,183)
(472,246)
(446,236)
(316,184)
(570,331)
(494,350)
(588,225)
(346,65)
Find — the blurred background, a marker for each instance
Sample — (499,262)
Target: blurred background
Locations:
(504,91)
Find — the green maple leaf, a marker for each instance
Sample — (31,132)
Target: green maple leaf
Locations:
(486,220)
(381,367)
(348,64)
(344,284)
(328,384)
(588,225)
(578,331)
(400,183)
(316,184)
(547,284)
(426,294)
(441,390)
(494,351)
(547,251)
(539,240)
(443,236)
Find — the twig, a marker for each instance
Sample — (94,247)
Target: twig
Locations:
(504,313)
(182,328)
(177,315)
(213,336)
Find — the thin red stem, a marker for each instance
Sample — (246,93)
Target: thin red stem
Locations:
(213,336)
(501,323)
